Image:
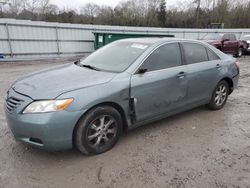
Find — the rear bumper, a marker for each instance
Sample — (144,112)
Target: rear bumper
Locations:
(235,81)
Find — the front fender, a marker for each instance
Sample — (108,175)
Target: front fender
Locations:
(116,91)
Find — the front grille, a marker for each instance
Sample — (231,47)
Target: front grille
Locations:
(12,103)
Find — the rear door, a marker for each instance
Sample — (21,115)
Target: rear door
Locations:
(230,43)
(163,87)
(234,43)
(202,70)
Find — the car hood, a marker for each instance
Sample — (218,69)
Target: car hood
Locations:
(50,83)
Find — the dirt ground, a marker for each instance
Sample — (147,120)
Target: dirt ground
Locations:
(198,148)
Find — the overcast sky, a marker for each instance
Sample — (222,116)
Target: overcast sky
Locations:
(75,4)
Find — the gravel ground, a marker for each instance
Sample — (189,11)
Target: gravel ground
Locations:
(198,148)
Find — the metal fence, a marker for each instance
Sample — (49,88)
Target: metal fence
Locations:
(32,39)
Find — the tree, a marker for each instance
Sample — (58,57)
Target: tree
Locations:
(15,7)
(106,16)
(2,4)
(32,5)
(198,9)
(90,10)
(161,14)
(188,14)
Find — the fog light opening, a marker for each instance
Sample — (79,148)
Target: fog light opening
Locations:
(36,140)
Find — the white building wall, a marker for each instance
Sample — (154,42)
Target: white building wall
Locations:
(33,39)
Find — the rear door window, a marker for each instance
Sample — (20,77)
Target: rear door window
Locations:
(194,53)
(226,37)
(232,37)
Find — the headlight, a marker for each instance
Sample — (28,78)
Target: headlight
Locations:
(47,106)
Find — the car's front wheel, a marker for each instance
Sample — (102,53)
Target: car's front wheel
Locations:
(98,131)
(219,97)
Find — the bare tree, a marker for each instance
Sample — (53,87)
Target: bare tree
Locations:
(15,7)
(198,3)
(44,4)
(90,10)
(33,5)
(52,9)
(2,4)
(186,13)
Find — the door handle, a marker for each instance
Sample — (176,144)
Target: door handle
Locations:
(218,66)
(181,74)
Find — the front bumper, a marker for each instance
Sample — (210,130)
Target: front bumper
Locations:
(51,131)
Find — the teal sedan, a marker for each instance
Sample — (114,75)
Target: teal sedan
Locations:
(88,104)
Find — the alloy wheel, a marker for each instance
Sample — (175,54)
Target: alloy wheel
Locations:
(240,52)
(102,131)
(220,95)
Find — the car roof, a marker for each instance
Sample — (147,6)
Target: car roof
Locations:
(158,40)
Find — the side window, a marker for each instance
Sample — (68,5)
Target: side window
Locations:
(212,56)
(194,53)
(232,37)
(166,56)
(226,37)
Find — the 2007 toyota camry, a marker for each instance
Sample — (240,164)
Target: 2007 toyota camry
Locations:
(88,104)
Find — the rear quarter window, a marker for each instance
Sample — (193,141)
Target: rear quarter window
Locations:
(212,56)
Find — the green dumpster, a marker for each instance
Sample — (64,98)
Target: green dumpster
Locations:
(102,38)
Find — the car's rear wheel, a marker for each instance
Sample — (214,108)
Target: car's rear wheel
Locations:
(98,131)
(239,52)
(219,97)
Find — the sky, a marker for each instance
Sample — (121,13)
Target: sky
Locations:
(75,4)
(78,3)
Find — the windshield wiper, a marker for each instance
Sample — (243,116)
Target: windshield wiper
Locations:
(90,67)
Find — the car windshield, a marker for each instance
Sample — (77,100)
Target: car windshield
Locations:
(213,36)
(247,38)
(115,57)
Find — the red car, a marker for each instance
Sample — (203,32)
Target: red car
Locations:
(227,43)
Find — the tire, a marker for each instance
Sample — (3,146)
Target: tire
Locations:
(219,96)
(245,52)
(98,131)
(239,52)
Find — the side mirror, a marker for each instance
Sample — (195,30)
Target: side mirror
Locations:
(77,62)
(142,71)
